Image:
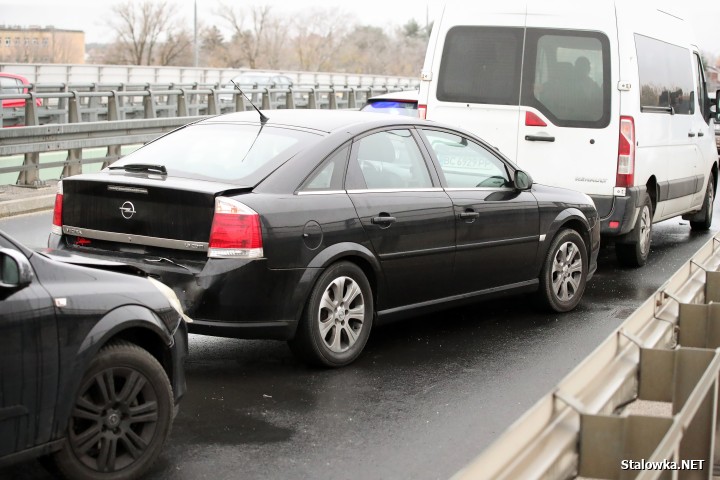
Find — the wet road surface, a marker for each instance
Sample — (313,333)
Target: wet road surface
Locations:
(425,398)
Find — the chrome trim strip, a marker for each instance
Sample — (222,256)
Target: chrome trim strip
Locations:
(136,239)
(118,188)
(323,192)
(481,189)
(395,190)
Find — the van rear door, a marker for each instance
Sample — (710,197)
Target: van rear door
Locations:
(568,75)
(479,72)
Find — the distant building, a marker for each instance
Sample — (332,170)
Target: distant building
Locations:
(35,44)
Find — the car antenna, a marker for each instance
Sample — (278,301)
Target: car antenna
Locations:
(263,117)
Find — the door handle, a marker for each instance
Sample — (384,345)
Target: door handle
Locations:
(701,134)
(468,215)
(383,220)
(539,138)
(691,134)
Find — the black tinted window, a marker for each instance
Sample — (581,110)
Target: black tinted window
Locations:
(481,65)
(666,77)
(567,77)
(243,154)
(329,175)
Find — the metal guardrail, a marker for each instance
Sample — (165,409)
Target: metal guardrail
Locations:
(596,424)
(105,114)
(71,103)
(141,74)
(31,141)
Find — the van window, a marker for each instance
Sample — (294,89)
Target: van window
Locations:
(702,97)
(666,76)
(567,77)
(481,65)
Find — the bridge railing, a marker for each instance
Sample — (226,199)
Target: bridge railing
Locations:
(643,405)
(67,103)
(106,109)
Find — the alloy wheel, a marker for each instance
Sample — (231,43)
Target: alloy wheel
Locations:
(341,314)
(567,271)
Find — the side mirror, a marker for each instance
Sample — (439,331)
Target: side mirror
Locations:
(716,104)
(15,269)
(523,180)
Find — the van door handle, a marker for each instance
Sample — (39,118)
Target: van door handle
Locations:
(691,134)
(539,138)
(701,134)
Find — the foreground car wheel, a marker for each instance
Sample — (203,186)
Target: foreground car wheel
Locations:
(635,252)
(707,209)
(564,273)
(121,416)
(337,319)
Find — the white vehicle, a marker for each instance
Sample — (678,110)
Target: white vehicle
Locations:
(605,97)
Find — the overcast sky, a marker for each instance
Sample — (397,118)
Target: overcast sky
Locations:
(92,15)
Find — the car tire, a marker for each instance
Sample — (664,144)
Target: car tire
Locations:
(121,416)
(564,272)
(337,318)
(706,212)
(634,251)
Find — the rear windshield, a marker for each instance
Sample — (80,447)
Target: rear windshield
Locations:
(242,154)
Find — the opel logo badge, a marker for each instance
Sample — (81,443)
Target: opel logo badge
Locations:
(127,210)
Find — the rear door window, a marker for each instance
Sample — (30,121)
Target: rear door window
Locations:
(567,77)
(389,160)
(481,65)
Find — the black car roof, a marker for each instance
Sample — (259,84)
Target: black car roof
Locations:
(321,120)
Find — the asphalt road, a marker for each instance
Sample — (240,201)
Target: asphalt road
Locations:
(425,398)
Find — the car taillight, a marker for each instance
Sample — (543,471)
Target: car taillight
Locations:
(422,111)
(626,153)
(235,231)
(57,211)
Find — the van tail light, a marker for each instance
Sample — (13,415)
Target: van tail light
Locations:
(626,153)
(235,231)
(58,211)
(422,111)
(532,120)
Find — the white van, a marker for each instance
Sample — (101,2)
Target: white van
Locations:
(605,97)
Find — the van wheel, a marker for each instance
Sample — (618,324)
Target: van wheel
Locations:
(635,250)
(337,319)
(564,272)
(707,209)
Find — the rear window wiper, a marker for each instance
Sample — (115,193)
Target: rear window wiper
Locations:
(141,167)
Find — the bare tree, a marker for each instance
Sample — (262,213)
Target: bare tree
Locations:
(144,28)
(318,38)
(250,41)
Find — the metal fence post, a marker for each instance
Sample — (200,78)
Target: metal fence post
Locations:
(73,162)
(181,100)
(289,100)
(213,108)
(351,98)
(31,176)
(93,105)
(312,98)
(149,103)
(265,105)
(332,99)
(113,151)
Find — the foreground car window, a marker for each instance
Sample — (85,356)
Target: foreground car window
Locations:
(466,164)
(228,152)
(392,160)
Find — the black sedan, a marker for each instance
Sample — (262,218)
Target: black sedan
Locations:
(90,363)
(312,226)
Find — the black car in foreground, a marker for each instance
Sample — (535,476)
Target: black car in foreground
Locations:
(311,226)
(91,363)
